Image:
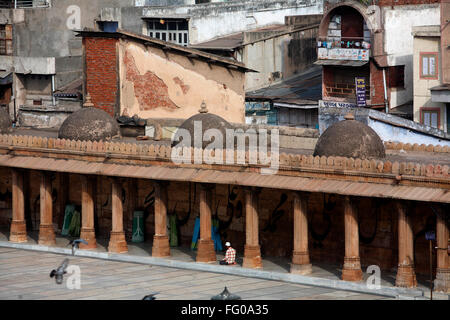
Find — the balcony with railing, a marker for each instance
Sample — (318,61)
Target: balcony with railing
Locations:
(24,4)
(340,48)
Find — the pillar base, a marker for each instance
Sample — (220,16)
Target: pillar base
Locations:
(117,242)
(47,235)
(442,281)
(301,268)
(301,263)
(160,246)
(352,269)
(88,235)
(252,257)
(18,231)
(406,277)
(205,251)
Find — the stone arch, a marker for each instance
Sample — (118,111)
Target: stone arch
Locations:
(365,12)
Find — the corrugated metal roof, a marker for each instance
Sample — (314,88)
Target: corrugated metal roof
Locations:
(303,87)
(73,89)
(165,45)
(229,42)
(6,77)
(352,188)
(236,40)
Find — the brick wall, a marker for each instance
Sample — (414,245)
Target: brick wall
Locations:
(101,73)
(339,83)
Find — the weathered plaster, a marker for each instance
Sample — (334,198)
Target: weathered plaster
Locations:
(186,89)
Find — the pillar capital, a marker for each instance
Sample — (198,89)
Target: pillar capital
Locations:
(207,186)
(253,190)
(301,195)
(161,183)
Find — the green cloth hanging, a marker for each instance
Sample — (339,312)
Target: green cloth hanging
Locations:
(68,213)
(75,224)
(173,232)
(138,226)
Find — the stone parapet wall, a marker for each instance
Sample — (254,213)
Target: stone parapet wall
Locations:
(144,153)
(416,147)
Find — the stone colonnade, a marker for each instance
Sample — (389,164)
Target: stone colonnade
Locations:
(252,253)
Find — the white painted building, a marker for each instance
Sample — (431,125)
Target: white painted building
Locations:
(208,20)
(398,42)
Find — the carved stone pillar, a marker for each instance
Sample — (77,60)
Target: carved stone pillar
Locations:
(352,265)
(205,252)
(87,213)
(117,242)
(252,250)
(161,246)
(406,276)
(300,256)
(46,229)
(442,281)
(18,231)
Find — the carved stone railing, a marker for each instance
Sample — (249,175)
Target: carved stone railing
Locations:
(416,147)
(287,162)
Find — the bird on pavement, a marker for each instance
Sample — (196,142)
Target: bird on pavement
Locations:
(151,296)
(59,272)
(75,244)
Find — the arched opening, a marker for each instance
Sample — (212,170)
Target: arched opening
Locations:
(344,27)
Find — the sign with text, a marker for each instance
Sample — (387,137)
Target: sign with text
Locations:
(343,54)
(335,104)
(360,85)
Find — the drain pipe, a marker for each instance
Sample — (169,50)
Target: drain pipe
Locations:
(385,91)
(53,90)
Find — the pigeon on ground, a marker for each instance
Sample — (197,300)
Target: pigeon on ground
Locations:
(151,296)
(75,244)
(60,271)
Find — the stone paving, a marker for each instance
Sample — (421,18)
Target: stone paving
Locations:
(25,275)
(278,265)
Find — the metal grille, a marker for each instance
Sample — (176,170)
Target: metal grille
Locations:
(175,31)
(22,4)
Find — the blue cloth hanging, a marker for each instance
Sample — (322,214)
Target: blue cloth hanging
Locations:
(196,234)
(215,235)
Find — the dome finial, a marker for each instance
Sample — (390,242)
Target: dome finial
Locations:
(349,116)
(203,108)
(88,103)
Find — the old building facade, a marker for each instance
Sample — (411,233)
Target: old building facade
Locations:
(373,42)
(128,74)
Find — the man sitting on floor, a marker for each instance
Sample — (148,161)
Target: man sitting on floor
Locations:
(230,255)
